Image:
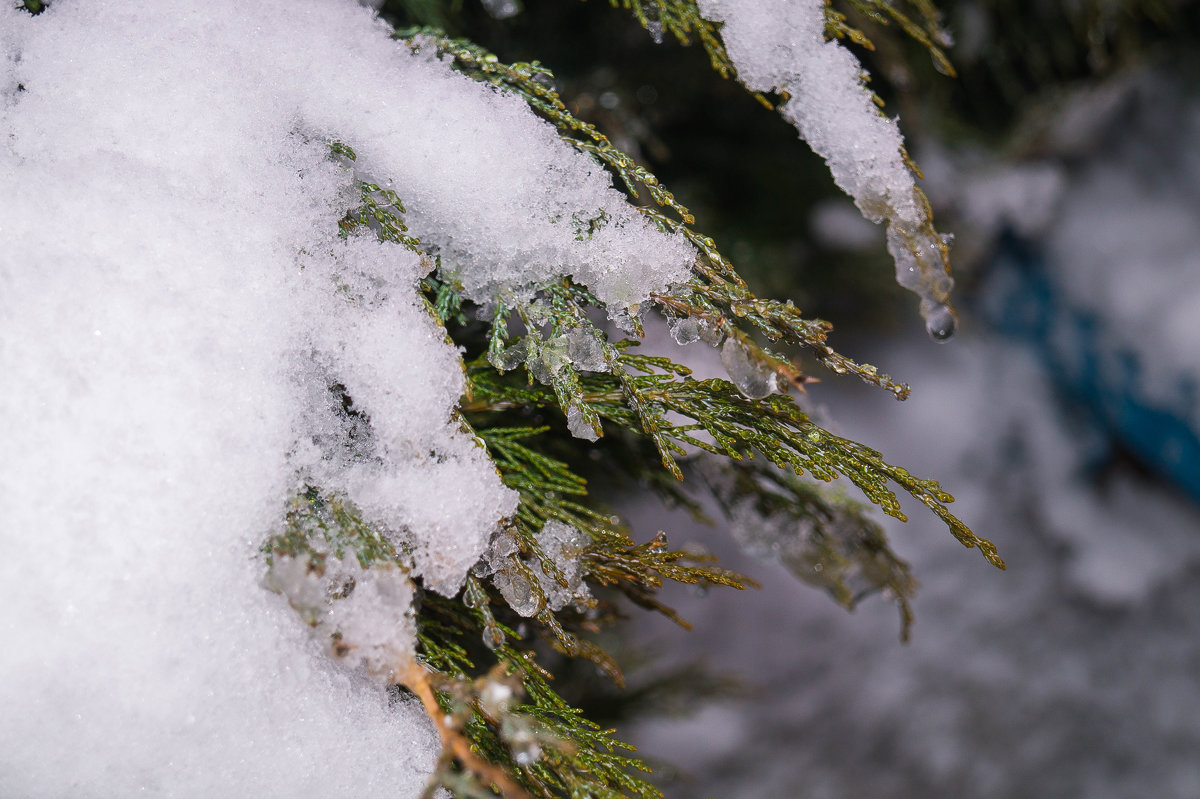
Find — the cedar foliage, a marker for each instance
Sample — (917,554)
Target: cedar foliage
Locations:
(524,369)
(503,725)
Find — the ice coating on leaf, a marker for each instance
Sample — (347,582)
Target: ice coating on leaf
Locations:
(780,46)
(510,357)
(685,330)
(752,378)
(563,545)
(586,351)
(579,426)
(186,343)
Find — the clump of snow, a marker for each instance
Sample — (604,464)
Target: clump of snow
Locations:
(364,615)
(780,46)
(181,327)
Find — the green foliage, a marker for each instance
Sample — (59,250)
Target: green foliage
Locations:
(646,394)
(681,19)
(549,490)
(535,365)
(558,751)
(716,295)
(317,526)
(926,28)
(827,541)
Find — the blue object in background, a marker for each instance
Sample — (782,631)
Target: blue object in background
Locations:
(1088,364)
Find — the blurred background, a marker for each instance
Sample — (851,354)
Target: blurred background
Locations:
(1065,416)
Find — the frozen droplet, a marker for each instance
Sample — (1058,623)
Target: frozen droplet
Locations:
(585,351)
(656,31)
(751,377)
(493,637)
(685,330)
(496,696)
(941,322)
(551,357)
(525,748)
(510,357)
(711,334)
(554,353)
(579,426)
(625,320)
(517,592)
(502,9)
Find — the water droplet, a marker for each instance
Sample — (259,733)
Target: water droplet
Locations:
(685,330)
(941,322)
(526,750)
(496,696)
(492,637)
(711,334)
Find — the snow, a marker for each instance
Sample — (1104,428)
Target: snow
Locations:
(780,46)
(178,321)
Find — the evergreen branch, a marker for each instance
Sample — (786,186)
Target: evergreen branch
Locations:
(732,425)
(317,525)
(545,745)
(928,32)
(638,572)
(716,294)
(381,210)
(680,18)
(822,537)
(550,491)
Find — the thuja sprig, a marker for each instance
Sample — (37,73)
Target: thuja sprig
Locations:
(924,25)
(822,537)
(550,491)
(646,394)
(681,19)
(545,745)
